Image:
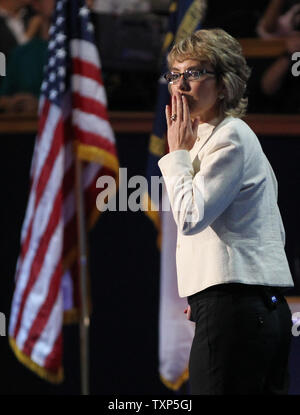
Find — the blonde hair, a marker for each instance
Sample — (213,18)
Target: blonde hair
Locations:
(224,53)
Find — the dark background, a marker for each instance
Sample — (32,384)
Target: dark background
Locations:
(124,266)
(124,259)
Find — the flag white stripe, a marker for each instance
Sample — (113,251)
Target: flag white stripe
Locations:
(69,157)
(93,124)
(89,88)
(40,289)
(40,222)
(44,146)
(52,330)
(41,104)
(85,51)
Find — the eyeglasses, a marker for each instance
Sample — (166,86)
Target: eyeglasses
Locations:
(190,75)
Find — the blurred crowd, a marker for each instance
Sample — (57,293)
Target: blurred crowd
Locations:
(24,26)
(278,86)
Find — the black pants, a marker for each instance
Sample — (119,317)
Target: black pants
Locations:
(242,341)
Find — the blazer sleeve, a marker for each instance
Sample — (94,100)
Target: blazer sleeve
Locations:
(197,199)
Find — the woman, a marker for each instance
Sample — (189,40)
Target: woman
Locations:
(231,262)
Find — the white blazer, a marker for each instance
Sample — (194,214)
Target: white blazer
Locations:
(240,237)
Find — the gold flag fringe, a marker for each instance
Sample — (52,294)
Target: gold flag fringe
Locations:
(37,369)
(178,383)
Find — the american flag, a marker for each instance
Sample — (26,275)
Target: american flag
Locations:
(73,122)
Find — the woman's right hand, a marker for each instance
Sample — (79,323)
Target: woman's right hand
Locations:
(187,311)
(182,131)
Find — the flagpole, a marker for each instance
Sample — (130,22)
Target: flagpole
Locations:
(84,322)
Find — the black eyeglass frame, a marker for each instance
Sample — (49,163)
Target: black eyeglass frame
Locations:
(187,73)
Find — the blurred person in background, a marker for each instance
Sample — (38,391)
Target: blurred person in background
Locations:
(281,18)
(121,6)
(280,88)
(20,89)
(17,23)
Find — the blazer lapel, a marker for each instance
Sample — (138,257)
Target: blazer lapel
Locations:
(204,132)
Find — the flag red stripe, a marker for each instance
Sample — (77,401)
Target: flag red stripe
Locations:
(44,312)
(89,105)
(54,358)
(43,117)
(49,162)
(87,69)
(95,140)
(40,255)
(42,182)
(42,121)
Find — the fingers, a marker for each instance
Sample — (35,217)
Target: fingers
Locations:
(179,109)
(175,106)
(186,111)
(168,115)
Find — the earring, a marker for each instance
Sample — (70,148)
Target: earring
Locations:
(221,96)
